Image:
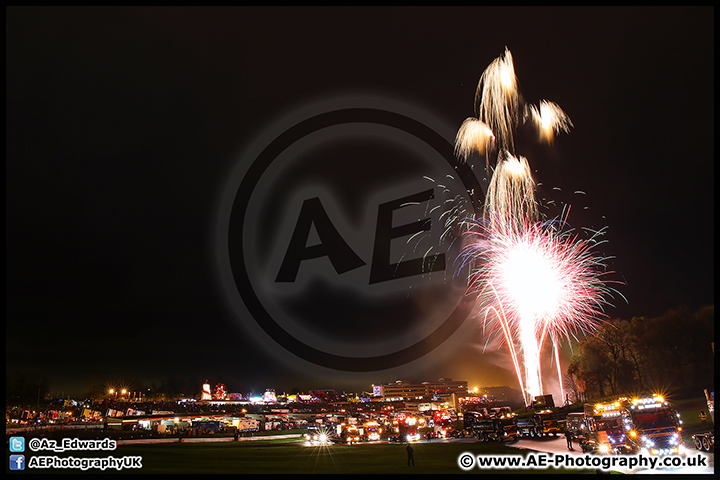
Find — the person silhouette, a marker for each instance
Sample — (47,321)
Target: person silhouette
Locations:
(411,458)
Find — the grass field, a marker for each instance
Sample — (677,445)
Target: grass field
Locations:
(283,458)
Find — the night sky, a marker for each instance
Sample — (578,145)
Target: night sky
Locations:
(130,130)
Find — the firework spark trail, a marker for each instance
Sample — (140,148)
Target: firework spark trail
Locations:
(473,135)
(556,349)
(497,101)
(508,333)
(533,278)
(496,107)
(511,194)
(549,120)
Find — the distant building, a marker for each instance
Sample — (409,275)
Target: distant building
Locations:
(404,390)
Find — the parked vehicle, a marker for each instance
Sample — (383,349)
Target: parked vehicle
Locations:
(706,441)
(491,428)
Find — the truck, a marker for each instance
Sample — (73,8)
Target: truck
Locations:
(443,425)
(508,424)
(654,425)
(575,424)
(527,427)
(706,441)
(407,429)
(543,401)
(486,429)
(371,431)
(647,424)
(491,427)
(317,434)
(605,432)
(348,433)
(547,423)
(541,424)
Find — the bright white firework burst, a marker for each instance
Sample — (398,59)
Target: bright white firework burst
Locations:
(533,283)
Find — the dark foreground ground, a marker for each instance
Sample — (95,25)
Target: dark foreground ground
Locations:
(284,458)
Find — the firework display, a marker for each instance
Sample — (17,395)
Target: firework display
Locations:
(533,278)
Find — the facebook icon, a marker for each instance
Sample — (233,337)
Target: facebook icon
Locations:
(17,462)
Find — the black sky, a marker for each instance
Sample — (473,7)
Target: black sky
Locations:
(123,125)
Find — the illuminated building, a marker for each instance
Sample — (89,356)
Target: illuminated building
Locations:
(404,390)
